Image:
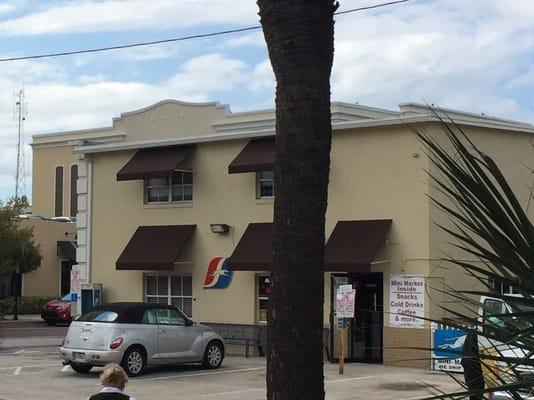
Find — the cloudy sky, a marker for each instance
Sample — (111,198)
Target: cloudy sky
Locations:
(475,55)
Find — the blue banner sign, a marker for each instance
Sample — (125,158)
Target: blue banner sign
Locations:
(449,343)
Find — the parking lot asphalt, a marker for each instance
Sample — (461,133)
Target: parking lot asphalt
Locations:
(37,373)
(29,331)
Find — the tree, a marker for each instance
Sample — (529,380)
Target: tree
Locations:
(492,228)
(300,41)
(17,246)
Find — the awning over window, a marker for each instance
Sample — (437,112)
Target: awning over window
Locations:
(258,155)
(350,248)
(254,252)
(353,244)
(154,163)
(66,250)
(155,248)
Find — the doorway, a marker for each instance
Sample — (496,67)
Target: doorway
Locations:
(66,267)
(365,330)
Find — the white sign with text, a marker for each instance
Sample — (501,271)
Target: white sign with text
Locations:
(407,301)
(345,301)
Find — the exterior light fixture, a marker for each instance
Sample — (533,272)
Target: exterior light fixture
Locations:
(220,228)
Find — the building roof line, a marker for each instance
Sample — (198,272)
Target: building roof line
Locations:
(251,134)
(419,108)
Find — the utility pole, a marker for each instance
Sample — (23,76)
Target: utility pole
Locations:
(20,115)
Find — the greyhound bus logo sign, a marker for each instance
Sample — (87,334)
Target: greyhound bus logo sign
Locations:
(219,275)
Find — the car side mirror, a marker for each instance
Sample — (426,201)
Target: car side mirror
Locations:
(189,322)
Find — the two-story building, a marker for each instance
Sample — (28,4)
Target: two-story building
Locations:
(175,205)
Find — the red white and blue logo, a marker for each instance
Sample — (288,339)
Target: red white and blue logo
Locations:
(219,275)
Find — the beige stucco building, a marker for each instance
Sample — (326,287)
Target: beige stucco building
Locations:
(167,190)
(56,241)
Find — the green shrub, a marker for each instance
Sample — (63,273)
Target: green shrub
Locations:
(26,304)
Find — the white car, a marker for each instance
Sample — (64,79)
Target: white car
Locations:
(139,334)
(488,316)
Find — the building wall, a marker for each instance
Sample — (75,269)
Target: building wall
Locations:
(45,280)
(45,161)
(368,181)
(376,173)
(513,153)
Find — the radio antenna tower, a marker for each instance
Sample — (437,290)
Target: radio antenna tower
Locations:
(20,116)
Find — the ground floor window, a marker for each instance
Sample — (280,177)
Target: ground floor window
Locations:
(263,289)
(176,290)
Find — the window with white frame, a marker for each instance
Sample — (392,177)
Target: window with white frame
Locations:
(265,184)
(502,287)
(174,189)
(263,290)
(176,290)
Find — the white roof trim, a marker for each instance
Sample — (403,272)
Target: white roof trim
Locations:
(118,137)
(215,104)
(250,134)
(449,113)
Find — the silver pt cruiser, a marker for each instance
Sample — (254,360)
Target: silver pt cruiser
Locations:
(139,334)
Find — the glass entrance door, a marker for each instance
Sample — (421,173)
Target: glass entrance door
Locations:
(367,327)
(365,330)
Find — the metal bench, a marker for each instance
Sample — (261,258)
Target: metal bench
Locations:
(255,335)
(241,334)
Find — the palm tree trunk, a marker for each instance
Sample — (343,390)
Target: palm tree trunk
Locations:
(299,36)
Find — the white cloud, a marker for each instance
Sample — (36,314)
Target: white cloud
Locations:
(115,15)
(263,77)
(57,104)
(455,53)
(6,8)
(250,39)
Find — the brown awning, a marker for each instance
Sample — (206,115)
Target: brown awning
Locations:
(350,248)
(353,244)
(66,250)
(155,248)
(254,252)
(258,155)
(154,163)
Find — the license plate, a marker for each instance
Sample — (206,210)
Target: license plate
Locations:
(78,356)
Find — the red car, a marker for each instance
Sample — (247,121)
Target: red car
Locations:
(57,311)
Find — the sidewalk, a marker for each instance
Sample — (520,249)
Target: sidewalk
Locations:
(22,317)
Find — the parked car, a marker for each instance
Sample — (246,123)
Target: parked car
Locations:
(495,313)
(136,335)
(57,311)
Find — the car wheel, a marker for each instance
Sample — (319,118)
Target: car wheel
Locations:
(81,368)
(134,361)
(49,322)
(213,355)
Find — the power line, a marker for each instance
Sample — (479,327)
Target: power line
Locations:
(179,39)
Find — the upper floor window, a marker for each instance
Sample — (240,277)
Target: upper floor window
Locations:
(265,184)
(177,188)
(58,198)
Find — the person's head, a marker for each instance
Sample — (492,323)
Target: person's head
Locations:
(114,376)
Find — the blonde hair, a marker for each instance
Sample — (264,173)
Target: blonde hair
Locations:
(114,376)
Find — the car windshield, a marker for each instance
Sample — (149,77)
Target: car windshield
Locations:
(99,316)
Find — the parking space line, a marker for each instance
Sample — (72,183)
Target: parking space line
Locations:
(32,366)
(19,351)
(66,368)
(198,374)
(349,379)
(233,392)
(263,389)
(17,371)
